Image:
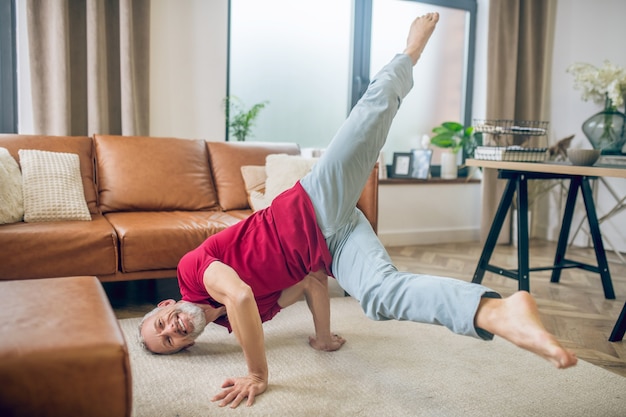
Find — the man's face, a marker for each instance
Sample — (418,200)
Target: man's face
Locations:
(174,326)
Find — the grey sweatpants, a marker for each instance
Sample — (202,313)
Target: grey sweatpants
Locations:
(360,263)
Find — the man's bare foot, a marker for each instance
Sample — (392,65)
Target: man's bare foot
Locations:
(516,319)
(419,33)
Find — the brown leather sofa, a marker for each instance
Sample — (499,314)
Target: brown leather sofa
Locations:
(151,201)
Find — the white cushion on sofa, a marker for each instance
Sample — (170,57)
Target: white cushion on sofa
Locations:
(254,178)
(11,199)
(52,186)
(280,173)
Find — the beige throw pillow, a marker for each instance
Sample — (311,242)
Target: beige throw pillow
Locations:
(52,186)
(254,177)
(11,200)
(281,172)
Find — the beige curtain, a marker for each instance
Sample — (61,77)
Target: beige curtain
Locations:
(89,66)
(518,77)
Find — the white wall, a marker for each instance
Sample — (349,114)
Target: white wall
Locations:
(188,61)
(586,32)
(411,214)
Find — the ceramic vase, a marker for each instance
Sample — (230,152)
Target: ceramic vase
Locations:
(449,168)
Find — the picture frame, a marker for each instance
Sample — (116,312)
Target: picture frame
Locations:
(420,163)
(401,167)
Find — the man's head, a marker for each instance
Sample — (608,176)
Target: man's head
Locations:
(171,326)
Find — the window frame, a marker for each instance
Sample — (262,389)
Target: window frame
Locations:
(362,41)
(8,67)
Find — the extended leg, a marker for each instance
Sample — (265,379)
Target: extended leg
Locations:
(364,269)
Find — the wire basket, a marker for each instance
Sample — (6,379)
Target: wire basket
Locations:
(513,132)
(511,127)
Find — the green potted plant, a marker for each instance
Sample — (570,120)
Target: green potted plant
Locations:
(453,136)
(239,119)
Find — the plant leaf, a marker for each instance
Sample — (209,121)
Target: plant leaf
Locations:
(444,140)
(453,126)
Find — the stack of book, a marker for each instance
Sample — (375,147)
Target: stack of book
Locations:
(511,153)
(613,160)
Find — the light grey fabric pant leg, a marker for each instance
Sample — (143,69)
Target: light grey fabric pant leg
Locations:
(361,264)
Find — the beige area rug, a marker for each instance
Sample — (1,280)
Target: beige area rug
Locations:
(385,369)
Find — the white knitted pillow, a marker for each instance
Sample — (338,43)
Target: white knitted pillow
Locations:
(281,172)
(11,200)
(52,186)
(254,178)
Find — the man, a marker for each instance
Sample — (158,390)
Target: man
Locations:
(244,275)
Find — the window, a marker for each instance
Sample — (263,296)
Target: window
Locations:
(313,60)
(296,56)
(8,73)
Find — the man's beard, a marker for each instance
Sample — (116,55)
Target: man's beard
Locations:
(196,315)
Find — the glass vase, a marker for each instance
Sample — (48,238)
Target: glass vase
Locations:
(606,130)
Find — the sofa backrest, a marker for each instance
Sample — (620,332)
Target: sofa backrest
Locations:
(227,158)
(153,174)
(80,145)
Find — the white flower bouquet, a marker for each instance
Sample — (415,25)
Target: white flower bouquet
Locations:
(605,85)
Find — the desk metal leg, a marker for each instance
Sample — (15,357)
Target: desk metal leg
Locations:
(523,271)
(559,257)
(620,327)
(594,228)
(494,232)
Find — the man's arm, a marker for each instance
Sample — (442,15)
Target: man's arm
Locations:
(225,286)
(314,287)
(316,295)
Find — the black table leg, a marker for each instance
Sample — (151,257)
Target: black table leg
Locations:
(522,233)
(594,228)
(559,257)
(620,327)
(494,232)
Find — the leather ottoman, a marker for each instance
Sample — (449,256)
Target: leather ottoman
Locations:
(62,352)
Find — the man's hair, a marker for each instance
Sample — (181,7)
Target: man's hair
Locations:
(142,342)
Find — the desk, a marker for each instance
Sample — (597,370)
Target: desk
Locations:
(517,174)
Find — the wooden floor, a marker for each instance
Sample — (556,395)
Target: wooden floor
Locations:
(575,309)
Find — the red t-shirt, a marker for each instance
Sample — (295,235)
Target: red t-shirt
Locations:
(271,250)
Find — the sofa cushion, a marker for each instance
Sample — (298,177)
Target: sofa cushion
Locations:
(80,145)
(153,174)
(157,240)
(254,178)
(281,172)
(227,158)
(11,199)
(53,249)
(52,186)
(61,350)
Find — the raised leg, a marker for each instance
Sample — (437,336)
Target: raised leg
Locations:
(336,181)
